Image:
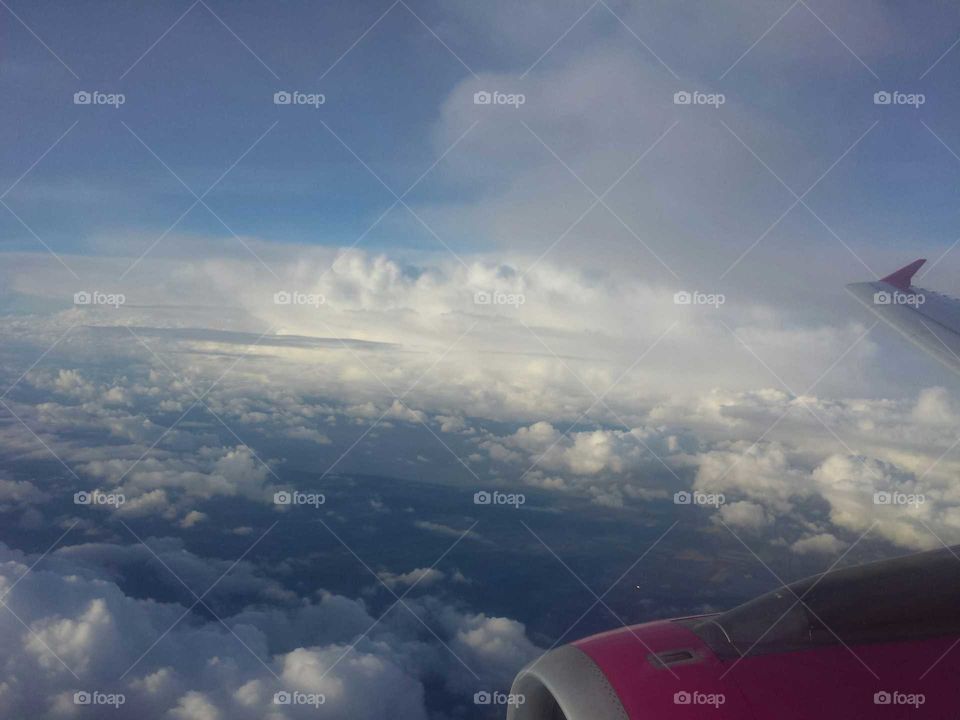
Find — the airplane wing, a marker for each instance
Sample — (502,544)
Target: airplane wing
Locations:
(929,319)
(869,641)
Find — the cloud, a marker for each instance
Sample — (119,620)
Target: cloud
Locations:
(531,412)
(823,543)
(934,407)
(851,487)
(582,452)
(492,644)
(195,706)
(192,518)
(16,492)
(765,473)
(446,530)
(745,514)
(80,631)
(207,473)
(421,577)
(368,685)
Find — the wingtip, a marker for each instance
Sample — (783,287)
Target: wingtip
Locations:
(901,278)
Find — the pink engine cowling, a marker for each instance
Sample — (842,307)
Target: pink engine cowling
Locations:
(873,641)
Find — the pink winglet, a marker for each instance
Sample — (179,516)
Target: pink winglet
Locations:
(902,277)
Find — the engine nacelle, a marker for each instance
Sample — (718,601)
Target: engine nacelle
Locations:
(657,670)
(880,640)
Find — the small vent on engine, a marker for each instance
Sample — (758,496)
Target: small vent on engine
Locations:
(672,657)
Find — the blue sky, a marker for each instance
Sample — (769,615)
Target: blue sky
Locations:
(202,100)
(199,99)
